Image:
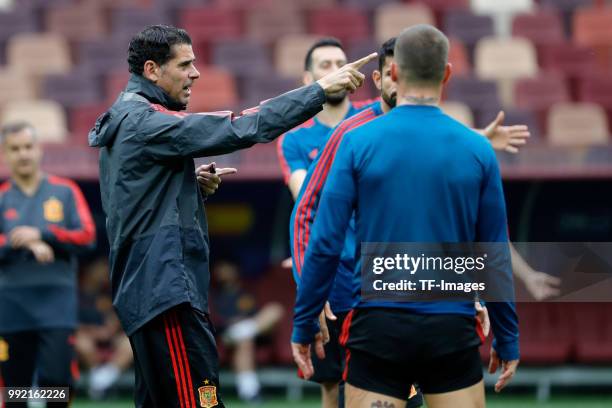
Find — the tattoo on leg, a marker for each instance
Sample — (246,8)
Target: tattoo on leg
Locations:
(382,404)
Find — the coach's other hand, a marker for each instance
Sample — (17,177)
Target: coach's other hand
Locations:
(346,78)
(208,180)
(508,369)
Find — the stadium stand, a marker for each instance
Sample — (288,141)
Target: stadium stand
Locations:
(346,24)
(81,22)
(217,92)
(289,54)
(502,12)
(15,86)
(232,55)
(468,27)
(593,27)
(261,25)
(542,27)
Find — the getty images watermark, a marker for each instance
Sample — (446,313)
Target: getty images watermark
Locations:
(465,271)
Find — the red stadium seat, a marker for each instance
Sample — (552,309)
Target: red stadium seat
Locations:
(477,94)
(346,24)
(48,117)
(543,27)
(459,58)
(569,59)
(82,119)
(597,89)
(206,23)
(289,54)
(592,331)
(15,86)
(540,93)
(467,27)
(114,84)
(215,90)
(593,27)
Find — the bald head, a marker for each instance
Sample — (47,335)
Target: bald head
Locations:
(421,54)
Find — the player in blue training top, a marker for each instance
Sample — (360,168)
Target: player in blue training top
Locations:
(371,167)
(44,223)
(296,150)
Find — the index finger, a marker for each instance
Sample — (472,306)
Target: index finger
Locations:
(362,61)
(226,170)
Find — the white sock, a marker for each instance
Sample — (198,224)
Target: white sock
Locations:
(248,384)
(103,377)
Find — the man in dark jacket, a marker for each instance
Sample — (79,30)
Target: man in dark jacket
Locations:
(159,251)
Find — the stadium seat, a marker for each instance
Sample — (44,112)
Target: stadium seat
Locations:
(458,111)
(289,54)
(39,54)
(102,56)
(82,119)
(134,19)
(458,57)
(475,93)
(242,57)
(597,89)
(592,331)
(83,160)
(577,124)
(14,22)
(346,24)
(566,8)
(73,89)
(569,59)
(593,27)
(391,19)
(540,93)
(215,90)
(467,27)
(48,117)
(543,27)
(267,27)
(115,83)
(545,333)
(502,11)
(81,22)
(505,60)
(15,86)
(369,5)
(206,24)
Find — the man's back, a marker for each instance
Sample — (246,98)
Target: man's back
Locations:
(419,176)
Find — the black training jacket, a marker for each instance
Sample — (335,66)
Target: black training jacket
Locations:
(155,218)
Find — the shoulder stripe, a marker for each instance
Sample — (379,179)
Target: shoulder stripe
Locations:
(304,211)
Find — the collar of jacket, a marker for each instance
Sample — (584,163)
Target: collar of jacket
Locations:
(142,86)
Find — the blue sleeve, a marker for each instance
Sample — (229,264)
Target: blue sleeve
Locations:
(290,155)
(5,248)
(492,227)
(326,243)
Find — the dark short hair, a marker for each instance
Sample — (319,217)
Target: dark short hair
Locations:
(386,50)
(421,53)
(154,43)
(15,127)
(323,42)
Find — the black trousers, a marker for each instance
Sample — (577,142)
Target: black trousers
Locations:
(176,361)
(49,353)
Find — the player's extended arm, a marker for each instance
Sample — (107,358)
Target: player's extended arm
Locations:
(541,285)
(505,138)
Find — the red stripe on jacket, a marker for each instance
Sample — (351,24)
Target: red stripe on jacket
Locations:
(301,233)
(87,233)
